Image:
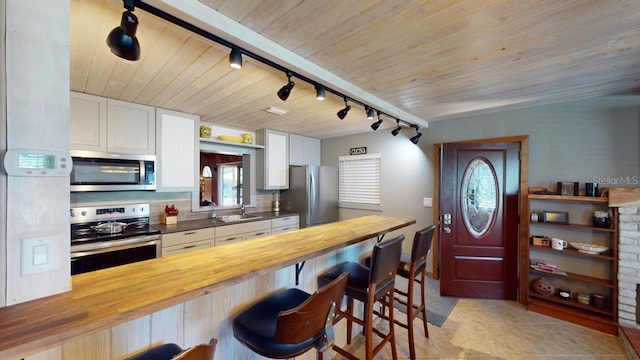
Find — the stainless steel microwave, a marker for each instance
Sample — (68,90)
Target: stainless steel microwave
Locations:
(97,171)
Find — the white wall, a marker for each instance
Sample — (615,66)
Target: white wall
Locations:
(407,175)
(37,117)
(3,148)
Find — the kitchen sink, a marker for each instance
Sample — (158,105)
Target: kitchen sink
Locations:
(235,218)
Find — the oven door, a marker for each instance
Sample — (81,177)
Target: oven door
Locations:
(91,257)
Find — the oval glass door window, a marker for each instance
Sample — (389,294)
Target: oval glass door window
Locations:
(479,195)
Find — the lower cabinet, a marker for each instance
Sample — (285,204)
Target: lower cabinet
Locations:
(237,232)
(176,243)
(179,242)
(284,224)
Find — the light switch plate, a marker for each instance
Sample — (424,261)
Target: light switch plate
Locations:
(38,254)
(427,202)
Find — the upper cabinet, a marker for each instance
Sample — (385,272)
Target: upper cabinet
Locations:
(88,122)
(272,166)
(101,124)
(177,147)
(131,128)
(304,150)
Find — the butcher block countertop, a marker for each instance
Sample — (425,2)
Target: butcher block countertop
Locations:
(104,298)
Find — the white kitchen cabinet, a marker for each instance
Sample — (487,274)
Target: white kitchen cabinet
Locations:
(177,145)
(88,122)
(244,231)
(285,224)
(131,128)
(272,167)
(107,125)
(180,242)
(304,150)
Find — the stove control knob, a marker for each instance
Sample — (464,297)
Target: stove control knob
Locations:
(72,213)
(84,213)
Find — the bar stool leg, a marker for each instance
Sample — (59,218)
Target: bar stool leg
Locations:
(411,313)
(349,321)
(424,304)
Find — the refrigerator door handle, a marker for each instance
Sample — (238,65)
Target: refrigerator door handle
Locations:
(312,194)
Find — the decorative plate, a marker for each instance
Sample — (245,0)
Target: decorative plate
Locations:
(589,248)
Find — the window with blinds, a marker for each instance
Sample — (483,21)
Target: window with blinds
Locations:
(360,181)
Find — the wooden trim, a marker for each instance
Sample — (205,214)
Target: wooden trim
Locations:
(523,254)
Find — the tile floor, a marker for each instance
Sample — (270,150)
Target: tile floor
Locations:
(494,329)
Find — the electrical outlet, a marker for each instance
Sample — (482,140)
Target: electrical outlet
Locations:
(427,202)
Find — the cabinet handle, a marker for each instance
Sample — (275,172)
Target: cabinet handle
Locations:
(287,218)
(260,233)
(189,233)
(232,238)
(189,246)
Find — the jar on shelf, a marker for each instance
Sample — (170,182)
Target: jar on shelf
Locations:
(534,217)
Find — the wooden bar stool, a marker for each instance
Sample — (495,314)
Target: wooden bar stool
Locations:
(291,322)
(413,268)
(369,285)
(174,352)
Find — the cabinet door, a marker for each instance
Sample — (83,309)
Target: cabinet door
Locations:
(304,150)
(312,151)
(131,128)
(273,160)
(88,122)
(177,146)
(179,249)
(296,149)
(222,240)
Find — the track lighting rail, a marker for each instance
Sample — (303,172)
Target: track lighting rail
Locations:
(190,27)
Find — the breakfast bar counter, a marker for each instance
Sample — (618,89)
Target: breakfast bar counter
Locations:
(105,298)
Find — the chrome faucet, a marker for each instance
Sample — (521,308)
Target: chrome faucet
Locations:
(243,210)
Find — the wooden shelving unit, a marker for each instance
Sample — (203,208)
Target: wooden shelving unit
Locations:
(602,319)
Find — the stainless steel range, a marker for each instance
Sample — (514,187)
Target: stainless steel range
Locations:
(107,236)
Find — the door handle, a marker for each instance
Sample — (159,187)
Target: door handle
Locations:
(446,230)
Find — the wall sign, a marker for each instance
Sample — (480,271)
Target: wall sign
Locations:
(358,150)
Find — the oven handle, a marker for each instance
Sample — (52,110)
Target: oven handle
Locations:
(103,250)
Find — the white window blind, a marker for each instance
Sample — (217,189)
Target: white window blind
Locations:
(360,181)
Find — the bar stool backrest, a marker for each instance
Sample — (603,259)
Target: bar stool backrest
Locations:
(422,242)
(308,319)
(385,259)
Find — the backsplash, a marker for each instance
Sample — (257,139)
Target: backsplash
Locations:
(158,201)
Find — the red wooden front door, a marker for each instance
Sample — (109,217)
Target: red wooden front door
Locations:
(479,220)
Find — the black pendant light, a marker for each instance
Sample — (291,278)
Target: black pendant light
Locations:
(320,92)
(343,112)
(235,58)
(285,91)
(416,138)
(122,40)
(396,131)
(376,124)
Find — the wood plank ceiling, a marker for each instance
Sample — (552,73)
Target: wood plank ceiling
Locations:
(435,59)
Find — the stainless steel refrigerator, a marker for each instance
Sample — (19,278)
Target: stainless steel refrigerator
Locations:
(313,193)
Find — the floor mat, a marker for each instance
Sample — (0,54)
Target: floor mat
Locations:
(438,307)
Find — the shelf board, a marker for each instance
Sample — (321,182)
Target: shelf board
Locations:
(231,143)
(603,256)
(572,303)
(588,199)
(578,277)
(573,226)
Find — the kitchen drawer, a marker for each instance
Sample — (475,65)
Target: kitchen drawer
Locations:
(178,249)
(284,221)
(283,229)
(257,234)
(246,227)
(229,239)
(184,237)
